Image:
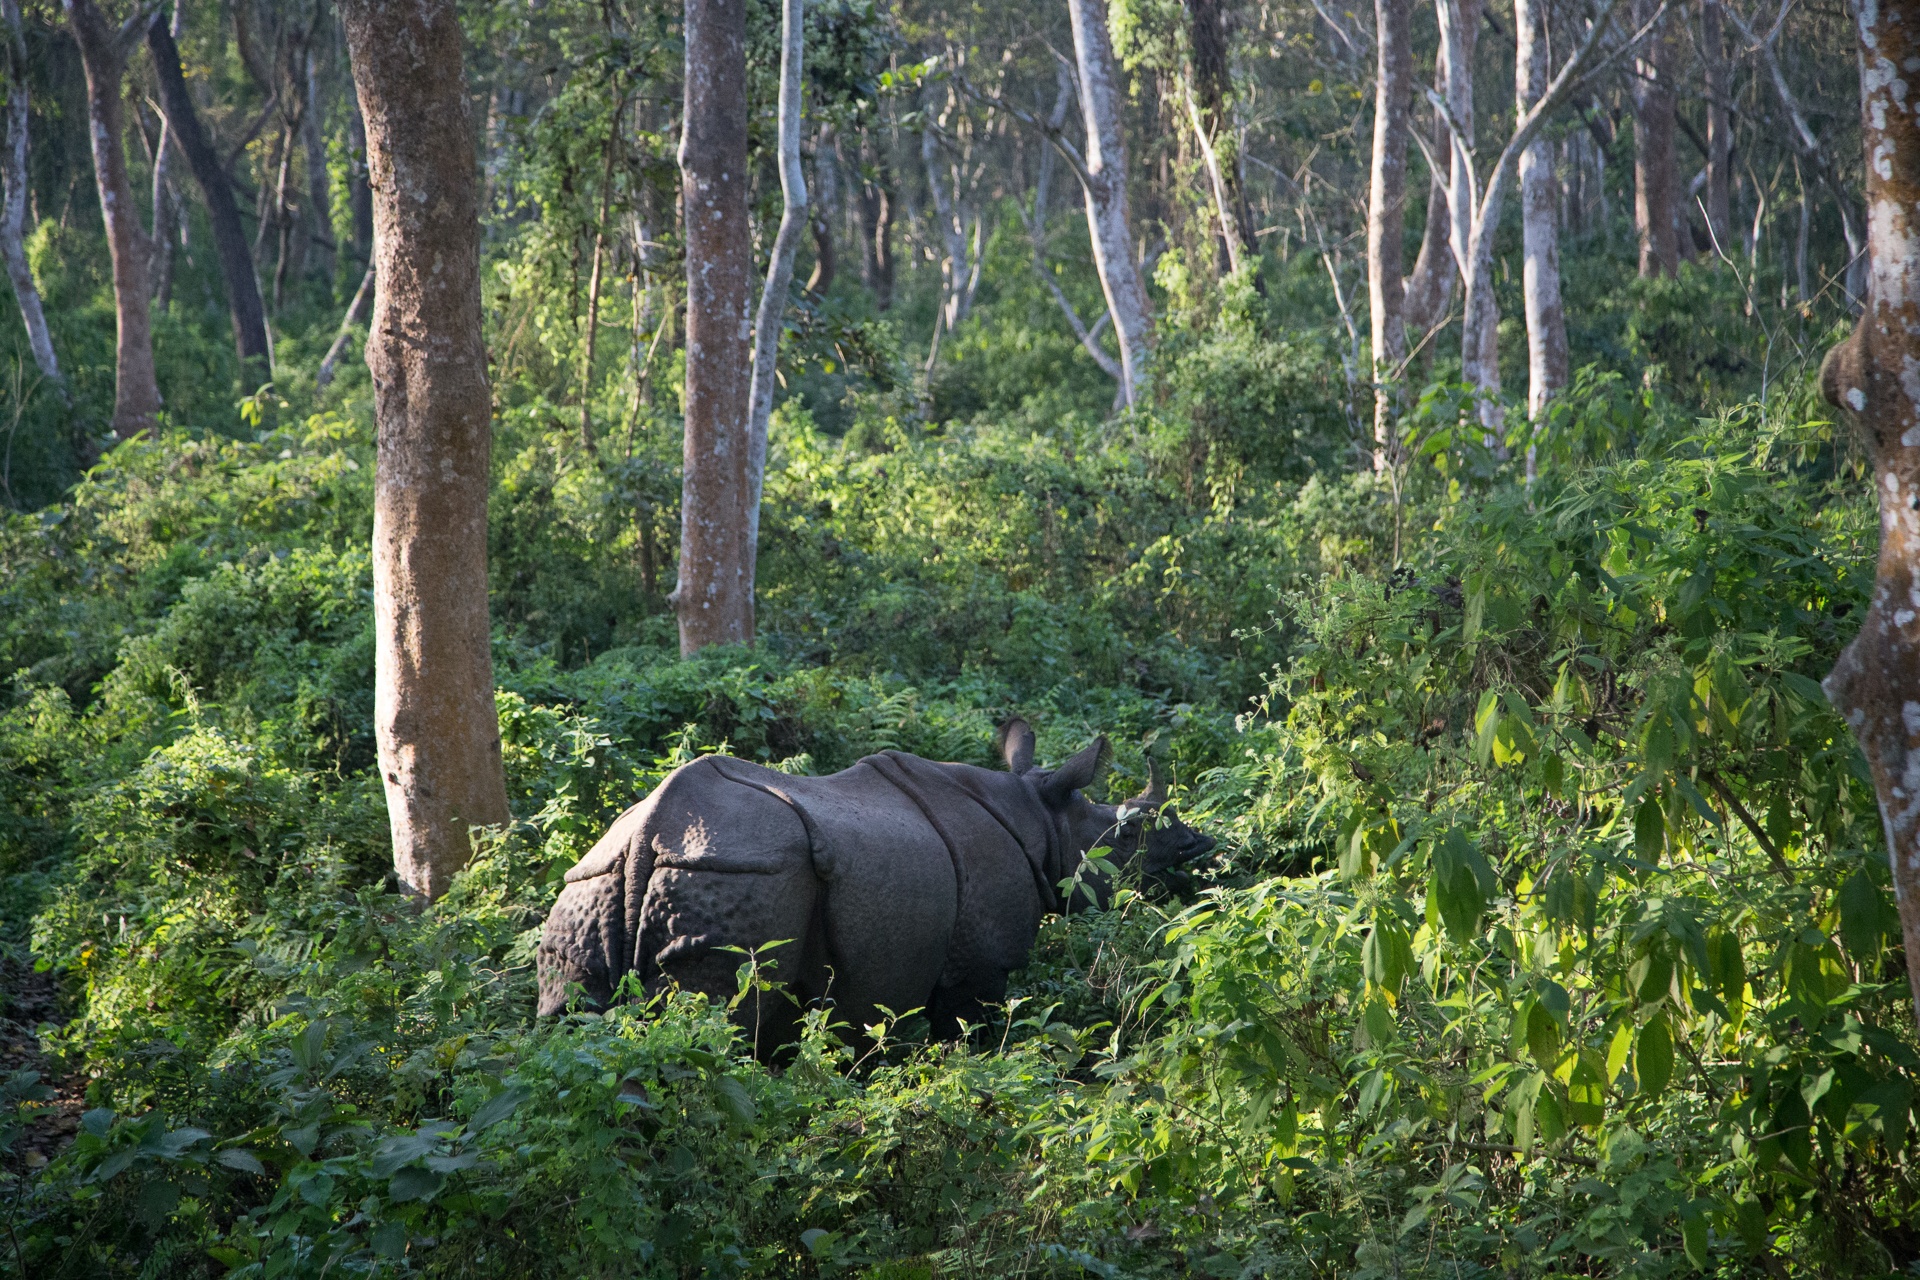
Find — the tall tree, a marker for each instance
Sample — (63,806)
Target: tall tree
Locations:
(1547,359)
(103,55)
(1655,177)
(435,725)
(216,189)
(1387,213)
(1428,290)
(1104,180)
(771,315)
(714,597)
(1207,107)
(169,210)
(313,140)
(13,199)
(1876,683)
(1719,92)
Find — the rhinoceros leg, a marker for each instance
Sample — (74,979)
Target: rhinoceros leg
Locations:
(583,947)
(737,873)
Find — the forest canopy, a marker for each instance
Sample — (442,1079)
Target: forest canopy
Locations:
(1403,429)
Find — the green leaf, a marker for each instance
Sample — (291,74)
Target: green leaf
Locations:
(1649,831)
(1386,957)
(498,1108)
(819,1243)
(240,1158)
(1693,1238)
(734,1100)
(1543,1038)
(1462,883)
(1863,915)
(1808,689)
(413,1184)
(1653,1057)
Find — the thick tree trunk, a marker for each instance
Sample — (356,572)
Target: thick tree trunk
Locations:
(1655,178)
(136,392)
(770,316)
(1387,216)
(1547,358)
(319,188)
(1106,192)
(13,200)
(223,215)
(1212,80)
(1719,87)
(435,725)
(714,597)
(1876,683)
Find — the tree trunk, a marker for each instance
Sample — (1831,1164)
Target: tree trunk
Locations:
(1429,290)
(874,201)
(229,235)
(1719,87)
(359,194)
(1106,192)
(13,201)
(1655,178)
(319,187)
(1212,80)
(136,392)
(169,210)
(1459,33)
(435,724)
(1876,683)
(714,597)
(1387,216)
(827,178)
(771,315)
(1547,358)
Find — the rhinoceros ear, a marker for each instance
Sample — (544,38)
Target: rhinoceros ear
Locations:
(1016,745)
(1078,773)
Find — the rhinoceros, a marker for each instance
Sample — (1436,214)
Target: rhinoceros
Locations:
(897,884)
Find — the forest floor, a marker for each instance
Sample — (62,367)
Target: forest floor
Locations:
(30,1006)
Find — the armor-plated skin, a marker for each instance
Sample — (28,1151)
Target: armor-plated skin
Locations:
(897,884)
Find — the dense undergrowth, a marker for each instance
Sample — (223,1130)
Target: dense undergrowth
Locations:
(1550,932)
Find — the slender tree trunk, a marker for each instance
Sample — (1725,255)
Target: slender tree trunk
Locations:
(103,53)
(223,215)
(593,290)
(1106,192)
(1089,338)
(13,201)
(319,186)
(714,597)
(345,334)
(1459,34)
(1387,216)
(1207,105)
(435,724)
(1429,290)
(1876,683)
(169,210)
(874,202)
(359,194)
(1655,178)
(772,311)
(1547,358)
(827,178)
(1719,87)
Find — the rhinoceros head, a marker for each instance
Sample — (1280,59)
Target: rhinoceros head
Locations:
(1135,830)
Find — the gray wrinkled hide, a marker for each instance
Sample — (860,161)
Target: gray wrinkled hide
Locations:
(898,883)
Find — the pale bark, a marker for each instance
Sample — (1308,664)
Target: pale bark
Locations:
(1428,290)
(1719,87)
(13,201)
(1387,215)
(1459,34)
(1655,177)
(169,210)
(435,724)
(592,341)
(1547,359)
(223,215)
(714,597)
(768,320)
(1105,185)
(1089,338)
(1876,683)
(103,54)
(345,334)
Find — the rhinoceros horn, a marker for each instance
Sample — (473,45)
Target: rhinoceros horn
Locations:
(1156,793)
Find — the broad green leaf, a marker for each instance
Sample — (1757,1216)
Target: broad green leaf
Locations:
(1653,1057)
